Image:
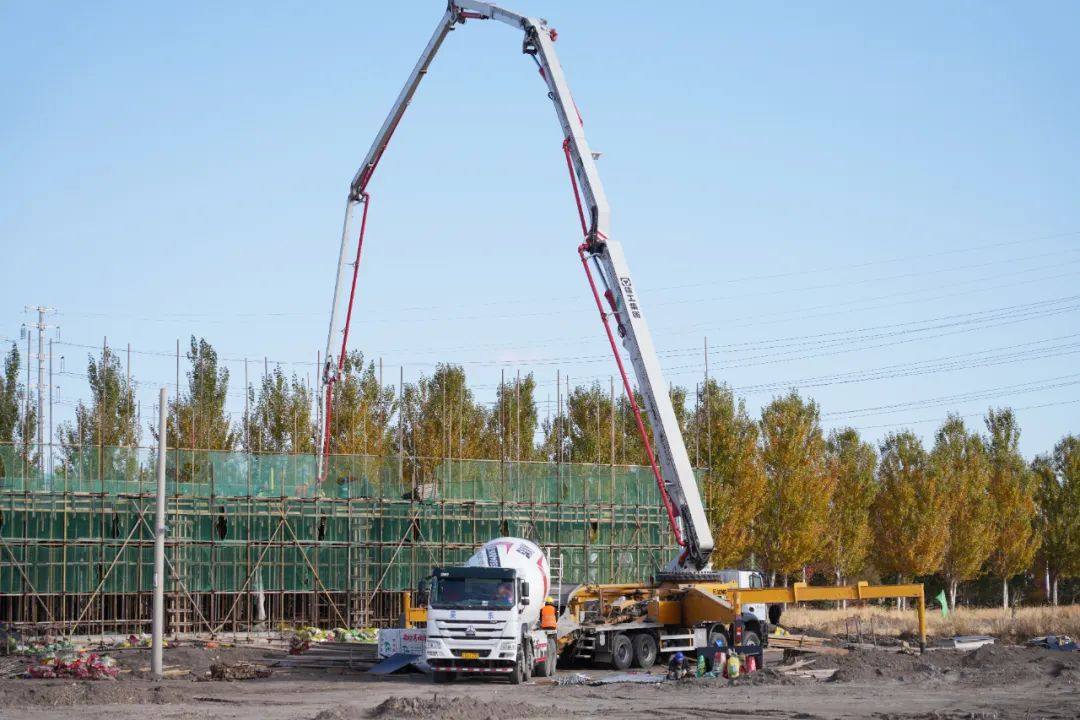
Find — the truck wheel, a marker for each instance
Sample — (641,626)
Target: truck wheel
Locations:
(751,638)
(517,676)
(645,650)
(527,667)
(440,676)
(716,632)
(622,653)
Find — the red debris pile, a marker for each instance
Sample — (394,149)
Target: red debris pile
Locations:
(89,666)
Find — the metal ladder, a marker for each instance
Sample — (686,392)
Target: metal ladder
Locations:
(555,570)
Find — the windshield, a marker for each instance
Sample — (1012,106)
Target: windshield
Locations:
(466,592)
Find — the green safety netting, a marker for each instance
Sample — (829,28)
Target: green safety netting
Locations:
(241,521)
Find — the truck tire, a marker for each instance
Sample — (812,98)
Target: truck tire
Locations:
(527,666)
(622,652)
(441,676)
(716,632)
(751,638)
(645,650)
(517,675)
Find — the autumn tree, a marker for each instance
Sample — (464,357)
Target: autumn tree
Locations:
(440,420)
(513,422)
(575,426)
(18,419)
(11,397)
(198,419)
(959,466)
(555,444)
(109,422)
(1013,519)
(279,418)
(361,411)
(1059,497)
(850,463)
(798,490)
(588,424)
(734,483)
(910,529)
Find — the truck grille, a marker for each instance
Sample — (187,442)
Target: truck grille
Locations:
(469,629)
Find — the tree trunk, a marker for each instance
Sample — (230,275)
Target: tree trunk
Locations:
(1004,593)
(899,600)
(1046,582)
(839,582)
(1055,592)
(783,580)
(952,594)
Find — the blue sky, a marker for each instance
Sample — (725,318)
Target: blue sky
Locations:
(876,204)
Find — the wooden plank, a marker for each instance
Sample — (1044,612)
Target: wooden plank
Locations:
(816,674)
(804,643)
(794,666)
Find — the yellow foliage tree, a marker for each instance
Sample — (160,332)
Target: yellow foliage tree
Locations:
(960,467)
(1059,497)
(439,421)
(798,490)
(850,463)
(1014,536)
(734,483)
(910,531)
(361,411)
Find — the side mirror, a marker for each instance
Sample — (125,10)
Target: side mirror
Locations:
(524,600)
(524,593)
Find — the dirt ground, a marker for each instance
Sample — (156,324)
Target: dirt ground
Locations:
(993,682)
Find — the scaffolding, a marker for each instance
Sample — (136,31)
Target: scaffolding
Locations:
(256,544)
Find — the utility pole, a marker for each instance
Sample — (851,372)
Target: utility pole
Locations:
(51,423)
(157,627)
(41,327)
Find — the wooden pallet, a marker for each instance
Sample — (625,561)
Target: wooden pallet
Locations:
(804,644)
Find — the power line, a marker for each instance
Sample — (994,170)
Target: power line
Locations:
(959,324)
(218,317)
(945,363)
(870,263)
(984,394)
(754,320)
(830,342)
(966,416)
(873,280)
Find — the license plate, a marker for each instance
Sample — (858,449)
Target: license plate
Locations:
(470,656)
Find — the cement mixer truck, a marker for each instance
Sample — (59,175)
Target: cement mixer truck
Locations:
(484,617)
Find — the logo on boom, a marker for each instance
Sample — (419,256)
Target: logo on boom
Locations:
(631,298)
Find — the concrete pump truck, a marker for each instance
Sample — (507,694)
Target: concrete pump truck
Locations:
(473,624)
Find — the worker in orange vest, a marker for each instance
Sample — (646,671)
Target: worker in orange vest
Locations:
(548,620)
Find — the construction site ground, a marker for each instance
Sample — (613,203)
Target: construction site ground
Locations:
(991,682)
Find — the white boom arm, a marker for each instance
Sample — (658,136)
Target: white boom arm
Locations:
(675,473)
